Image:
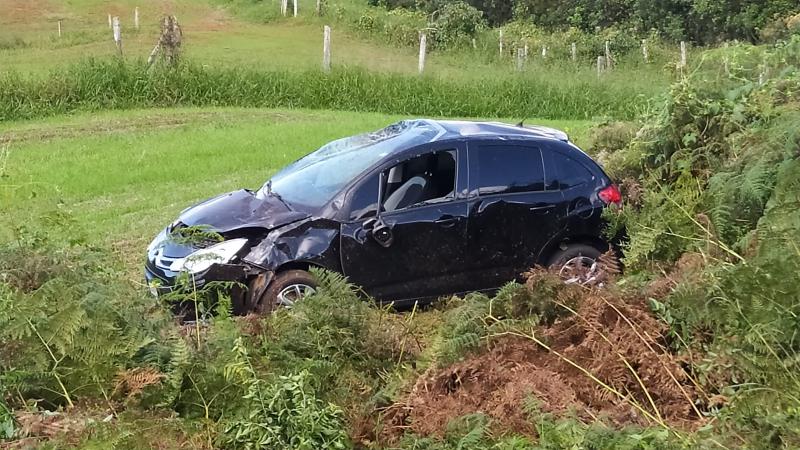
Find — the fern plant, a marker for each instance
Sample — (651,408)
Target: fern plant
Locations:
(283,414)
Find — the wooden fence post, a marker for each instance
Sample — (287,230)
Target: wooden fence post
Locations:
(520,59)
(110,25)
(423,48)
(501,43)
(525,52)
(326,48)
(117,34)
(544,52)
(683,55)
(136,18)
(609,60)
(645,52)
(59,27)
(600,66)
(574,51)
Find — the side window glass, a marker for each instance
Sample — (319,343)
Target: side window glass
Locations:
(364,201)
(571,172)
(509,168)
(422,180)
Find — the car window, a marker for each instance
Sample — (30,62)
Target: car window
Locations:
(317,177)
(424,179)
(509,168)
(571,173)
(364,200)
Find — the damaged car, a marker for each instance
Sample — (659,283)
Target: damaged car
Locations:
(415,211)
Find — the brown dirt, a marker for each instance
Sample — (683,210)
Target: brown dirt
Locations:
(23,11)
(599,339)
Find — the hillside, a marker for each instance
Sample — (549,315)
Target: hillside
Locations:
(686,340)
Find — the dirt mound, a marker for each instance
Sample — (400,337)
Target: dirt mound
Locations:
(606,360)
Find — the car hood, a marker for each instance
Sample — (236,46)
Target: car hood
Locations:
(240,209)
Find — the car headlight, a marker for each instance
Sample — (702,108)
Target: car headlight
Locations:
(201,260)
(151,249)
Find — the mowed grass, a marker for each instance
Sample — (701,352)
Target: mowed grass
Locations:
(214,36)
(122,176)
(29,41)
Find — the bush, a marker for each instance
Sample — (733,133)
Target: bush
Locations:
(708,162)
(282,414)
(608,137)
(456,23)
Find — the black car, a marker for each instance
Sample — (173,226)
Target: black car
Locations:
(464,206)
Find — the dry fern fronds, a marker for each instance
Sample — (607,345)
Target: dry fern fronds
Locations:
(134,381)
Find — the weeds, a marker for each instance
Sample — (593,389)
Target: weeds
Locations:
(94,85)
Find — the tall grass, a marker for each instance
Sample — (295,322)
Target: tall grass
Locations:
(110,84)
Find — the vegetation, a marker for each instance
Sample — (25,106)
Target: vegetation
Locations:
(694,20)
(695,346)
(95,85)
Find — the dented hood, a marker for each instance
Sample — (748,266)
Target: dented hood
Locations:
(240,209)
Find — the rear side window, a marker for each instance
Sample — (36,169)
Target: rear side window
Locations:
(509,168)
(571,173)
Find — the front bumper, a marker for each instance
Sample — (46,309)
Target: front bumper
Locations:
(231,279)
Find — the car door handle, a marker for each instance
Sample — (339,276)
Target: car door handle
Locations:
(446,221)
(542,209)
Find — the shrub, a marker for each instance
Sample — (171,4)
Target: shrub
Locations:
(456,23)
(282,414)
(608,137)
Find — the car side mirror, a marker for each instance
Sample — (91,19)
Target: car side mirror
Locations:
(378,231)
(369,224)
(382,234)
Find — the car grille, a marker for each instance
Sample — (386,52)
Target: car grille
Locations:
(163,262)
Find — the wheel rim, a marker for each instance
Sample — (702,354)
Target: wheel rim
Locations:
(581,270)
(289,295)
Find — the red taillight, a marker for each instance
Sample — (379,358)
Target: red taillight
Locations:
(610,195)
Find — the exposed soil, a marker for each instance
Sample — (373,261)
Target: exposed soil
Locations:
(23,11)
(608,338)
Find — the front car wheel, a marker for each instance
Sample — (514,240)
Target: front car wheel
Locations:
(286,289)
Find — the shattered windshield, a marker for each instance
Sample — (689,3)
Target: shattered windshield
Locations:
(315,179)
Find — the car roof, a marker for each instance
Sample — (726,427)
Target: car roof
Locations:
(459,129)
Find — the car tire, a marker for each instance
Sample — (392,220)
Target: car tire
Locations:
(286,288)
(567,260)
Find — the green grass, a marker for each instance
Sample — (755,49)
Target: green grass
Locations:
(124,175)
(107,84)
(211,36)
(215,36)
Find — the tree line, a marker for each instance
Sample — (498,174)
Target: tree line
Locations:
(699,21)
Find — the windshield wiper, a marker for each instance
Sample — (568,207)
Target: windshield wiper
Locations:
(272,193)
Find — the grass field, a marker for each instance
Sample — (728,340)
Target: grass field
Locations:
(29,37)
(124,175)
(214,36)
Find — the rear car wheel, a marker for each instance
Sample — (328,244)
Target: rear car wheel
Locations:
(577,264)
(286,289)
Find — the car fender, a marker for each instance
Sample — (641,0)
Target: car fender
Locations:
(576,229)
(312,242)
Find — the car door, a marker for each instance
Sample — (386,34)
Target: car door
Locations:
(513,209)
(426,255)
(568,172)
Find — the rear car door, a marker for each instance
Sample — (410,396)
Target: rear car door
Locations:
(569,171)
(427,252)
(514,210)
